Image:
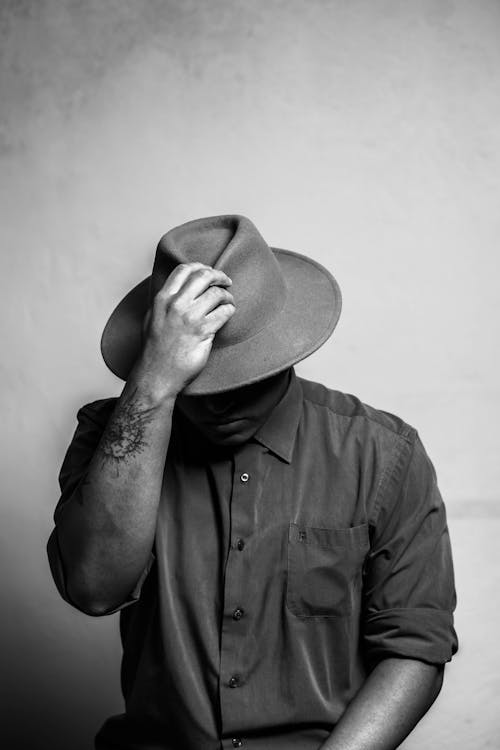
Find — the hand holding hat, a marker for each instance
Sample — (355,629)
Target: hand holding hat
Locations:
(180,326)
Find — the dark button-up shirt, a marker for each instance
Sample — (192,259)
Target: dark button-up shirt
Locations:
(282,572)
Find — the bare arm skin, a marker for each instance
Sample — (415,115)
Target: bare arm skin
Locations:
(393,699)
(106,529)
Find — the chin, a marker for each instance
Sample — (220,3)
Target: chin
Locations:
(227,440)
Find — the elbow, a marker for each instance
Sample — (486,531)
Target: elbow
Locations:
(89,600)
(94,609)
(75,586)
(89,605)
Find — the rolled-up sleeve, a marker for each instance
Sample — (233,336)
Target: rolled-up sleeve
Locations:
(92,419)
(409,589)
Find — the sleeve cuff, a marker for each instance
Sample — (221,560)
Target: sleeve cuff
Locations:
(425,634)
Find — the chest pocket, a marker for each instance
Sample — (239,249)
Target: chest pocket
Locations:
(325,570)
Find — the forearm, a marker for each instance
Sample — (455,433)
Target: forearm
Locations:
(393,699)
(106,529)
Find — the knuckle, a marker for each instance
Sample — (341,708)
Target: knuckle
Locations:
(175,303)
(160,297)
(195,266)
(220,293)
(213,293)
(205,329)
(179,271)
(223,313)
(190,318)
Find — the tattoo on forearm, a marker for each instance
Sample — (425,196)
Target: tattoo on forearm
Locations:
(125,433)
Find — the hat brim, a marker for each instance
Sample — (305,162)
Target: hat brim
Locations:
(307,319)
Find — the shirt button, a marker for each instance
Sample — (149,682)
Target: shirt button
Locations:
(238,614)
(244,477)
(240,544)
(236,742)
(234,681)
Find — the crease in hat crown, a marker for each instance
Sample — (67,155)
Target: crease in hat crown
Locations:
(232,244)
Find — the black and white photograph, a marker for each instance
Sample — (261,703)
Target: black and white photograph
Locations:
(250,378)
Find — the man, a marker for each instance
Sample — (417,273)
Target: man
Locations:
(278,551)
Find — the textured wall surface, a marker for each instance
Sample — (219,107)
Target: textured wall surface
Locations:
(362,133)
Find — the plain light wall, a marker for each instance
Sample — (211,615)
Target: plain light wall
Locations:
(364,134)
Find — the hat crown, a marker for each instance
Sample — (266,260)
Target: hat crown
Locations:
(232,244)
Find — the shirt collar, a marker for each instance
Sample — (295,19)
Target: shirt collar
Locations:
(279,431)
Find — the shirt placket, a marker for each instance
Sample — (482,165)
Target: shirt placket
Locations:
(234,680)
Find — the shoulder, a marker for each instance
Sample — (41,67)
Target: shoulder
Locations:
(352,411)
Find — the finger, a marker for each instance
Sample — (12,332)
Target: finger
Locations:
(171,286)
(200,280)
(217,318)
(175,280)
(210,299)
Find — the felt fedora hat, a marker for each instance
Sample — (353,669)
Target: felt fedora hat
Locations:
(287,305)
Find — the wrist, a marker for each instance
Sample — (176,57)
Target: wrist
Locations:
(152,389)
